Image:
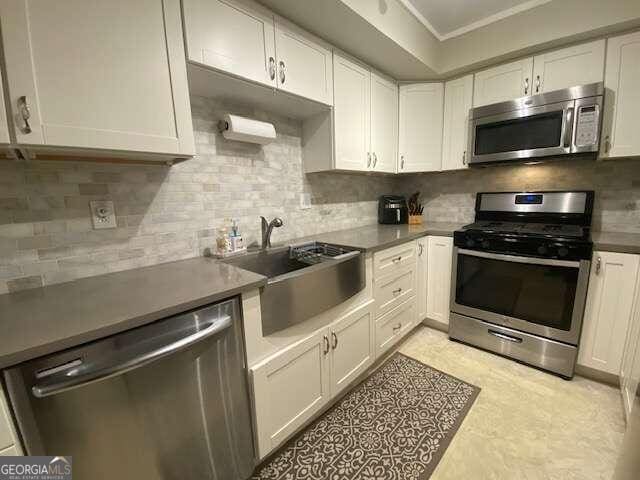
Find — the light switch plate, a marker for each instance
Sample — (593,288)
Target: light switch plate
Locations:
(103,214)
(305,201)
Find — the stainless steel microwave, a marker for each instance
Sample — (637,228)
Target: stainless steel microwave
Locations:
(558,123)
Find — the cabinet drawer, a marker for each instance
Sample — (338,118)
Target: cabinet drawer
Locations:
(394,259)
(391,290)
(391,327)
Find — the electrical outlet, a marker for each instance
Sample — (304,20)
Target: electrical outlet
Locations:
(103,214)
(305,201)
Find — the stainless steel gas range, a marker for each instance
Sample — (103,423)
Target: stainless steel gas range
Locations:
(520,276)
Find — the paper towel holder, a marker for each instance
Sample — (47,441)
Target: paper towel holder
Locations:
(242,129)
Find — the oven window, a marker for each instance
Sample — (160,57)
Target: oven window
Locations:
(537,131)
(540,294)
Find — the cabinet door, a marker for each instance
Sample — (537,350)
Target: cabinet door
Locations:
(384,124)
(233,36)
(421,274)
(503,83)
(622,102)
(439,256)
(95,74)
(352,115)
(630,368)
(4,127)
(420,132)
(578,65)
(305,64)
(289,389)
(458,99)
(7,438)
(612,284)
(353,348)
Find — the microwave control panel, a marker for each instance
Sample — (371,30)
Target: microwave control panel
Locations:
(587,126)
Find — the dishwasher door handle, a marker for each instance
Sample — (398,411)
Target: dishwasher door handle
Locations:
(78,376)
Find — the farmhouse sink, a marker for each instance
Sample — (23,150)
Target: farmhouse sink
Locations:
(304,280)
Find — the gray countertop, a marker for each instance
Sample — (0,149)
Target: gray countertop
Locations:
(616,242)
(45,320)
(378,237)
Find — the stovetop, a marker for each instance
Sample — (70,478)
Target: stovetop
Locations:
(541,230)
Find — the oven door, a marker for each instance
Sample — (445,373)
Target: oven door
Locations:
(545,297)
(524,133)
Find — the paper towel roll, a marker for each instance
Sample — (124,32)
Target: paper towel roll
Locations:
(244,129)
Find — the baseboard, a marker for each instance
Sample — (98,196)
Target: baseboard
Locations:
(436,325)
(598,376)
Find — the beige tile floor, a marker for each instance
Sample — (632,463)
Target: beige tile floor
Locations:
(525,424)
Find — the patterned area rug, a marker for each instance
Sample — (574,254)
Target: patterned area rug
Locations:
(395,425)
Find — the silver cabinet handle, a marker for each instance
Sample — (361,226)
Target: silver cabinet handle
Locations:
(503,336)
(607,144)
(396,260)
(368,159)
(326,344)
(464,157)
(420,249)
(397,327)
(526,86)
(375,159)
(598,265)
(537,83)
(282,72)
(397,291)
(334,337)
(401,162)
(272,68)
(25,114)
(78,376)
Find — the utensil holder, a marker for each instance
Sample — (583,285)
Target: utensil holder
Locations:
(415,219)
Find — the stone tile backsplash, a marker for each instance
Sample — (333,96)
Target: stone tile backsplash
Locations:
(171,213)
(450,196)
(168,213)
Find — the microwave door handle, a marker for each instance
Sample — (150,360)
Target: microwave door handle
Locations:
(568,127)
(111,367)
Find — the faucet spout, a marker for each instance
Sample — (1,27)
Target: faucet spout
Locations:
(267,230)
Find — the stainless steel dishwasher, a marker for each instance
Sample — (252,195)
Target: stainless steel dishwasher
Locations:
(164,401)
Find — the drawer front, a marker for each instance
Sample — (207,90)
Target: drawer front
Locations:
(393,326)
(394,259)
(392,290)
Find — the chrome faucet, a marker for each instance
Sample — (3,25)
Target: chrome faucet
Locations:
(267,229)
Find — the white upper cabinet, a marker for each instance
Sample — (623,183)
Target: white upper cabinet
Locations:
(439,260)
(305,65)
(4,127)
(232,36)
(384,124)
(503,83)
(607,315)
(352,114)
(578,65)
(622,98)
(420,132)
(458,100)
(94,74)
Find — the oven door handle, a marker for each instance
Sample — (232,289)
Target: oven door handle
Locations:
(517,259)
(503,336)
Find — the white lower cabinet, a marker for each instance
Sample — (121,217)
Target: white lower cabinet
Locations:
(390,328)
(421,278)
(439,259)
(630,369)
(8,438)
(612,285)
(290,387)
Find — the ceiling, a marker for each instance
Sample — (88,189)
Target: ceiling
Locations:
(450,18)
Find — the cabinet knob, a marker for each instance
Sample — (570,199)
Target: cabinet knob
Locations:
(464,157)
(607,144)
(375,159)
(537,83)
(282,72)
(272,68)
(401,162)
(526,86)
(334,337)
(598,265)
(326,344)
(368,159)
(25,114)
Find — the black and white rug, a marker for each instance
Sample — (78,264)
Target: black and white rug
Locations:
(395,425)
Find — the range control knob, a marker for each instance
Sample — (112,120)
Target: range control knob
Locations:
(542,249)
(470,243)
(563,252)
(485,244)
